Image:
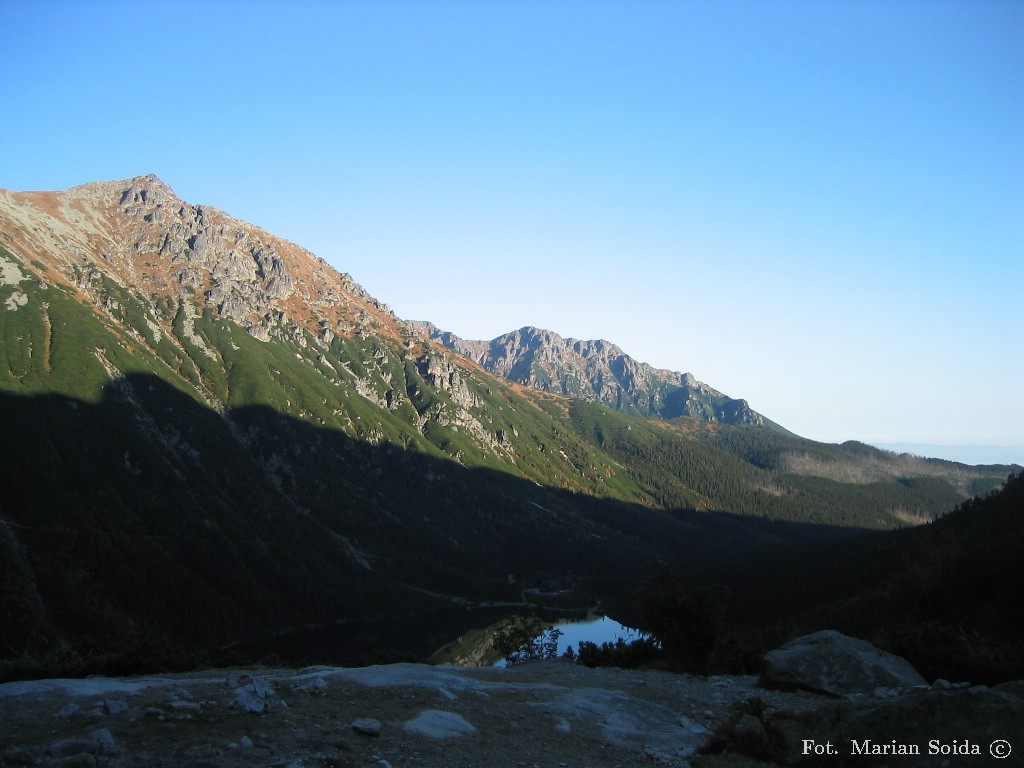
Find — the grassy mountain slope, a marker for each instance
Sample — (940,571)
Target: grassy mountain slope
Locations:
(212,436)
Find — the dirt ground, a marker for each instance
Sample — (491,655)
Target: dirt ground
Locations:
(544,714)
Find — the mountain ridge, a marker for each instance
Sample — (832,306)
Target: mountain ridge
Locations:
(203,412)
(599,371)
(595,370)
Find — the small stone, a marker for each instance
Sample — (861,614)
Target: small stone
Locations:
(105,739)
(114,707)
(245,743)
(942,684)
(367,726)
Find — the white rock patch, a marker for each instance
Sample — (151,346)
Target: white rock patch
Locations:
(9,272)
(435,724)
(16,300)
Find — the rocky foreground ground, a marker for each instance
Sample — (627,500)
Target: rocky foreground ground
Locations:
(542,714)
(548,714)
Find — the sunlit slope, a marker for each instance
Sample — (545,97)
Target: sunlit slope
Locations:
(209,433)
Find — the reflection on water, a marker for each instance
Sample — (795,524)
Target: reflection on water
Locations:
(594,628)
(453,636)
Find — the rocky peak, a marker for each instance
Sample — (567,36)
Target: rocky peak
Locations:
(139,234)
(595,370)
(142,192)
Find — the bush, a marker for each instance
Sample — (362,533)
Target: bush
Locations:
(954,653)
(639,653)
(526,638)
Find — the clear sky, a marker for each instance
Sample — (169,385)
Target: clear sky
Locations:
(816,206)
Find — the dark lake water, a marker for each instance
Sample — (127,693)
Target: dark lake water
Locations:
(360,643)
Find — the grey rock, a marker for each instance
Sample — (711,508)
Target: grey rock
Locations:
(597,371)
(255,695)
(259,332)
(114,707)
(314,684)
(830,662)
(237,309)
(281,287)
(191,277)
(436,724)
(366,726)
(440,373)
(105,739)
(250,702)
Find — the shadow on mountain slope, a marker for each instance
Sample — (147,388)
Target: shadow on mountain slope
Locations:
(148,520)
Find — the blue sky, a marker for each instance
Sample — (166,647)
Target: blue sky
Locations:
(816,206)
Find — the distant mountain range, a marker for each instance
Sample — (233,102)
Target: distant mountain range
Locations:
(967,454)
(213,436)
(597,371)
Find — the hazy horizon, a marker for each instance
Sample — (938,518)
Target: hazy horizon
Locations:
(965,454)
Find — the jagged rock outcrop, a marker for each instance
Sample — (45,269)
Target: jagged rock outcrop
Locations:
(598,371)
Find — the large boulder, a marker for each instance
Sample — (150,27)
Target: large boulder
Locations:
(830,662)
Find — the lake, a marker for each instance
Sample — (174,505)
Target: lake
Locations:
(594,628)
(453,636)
